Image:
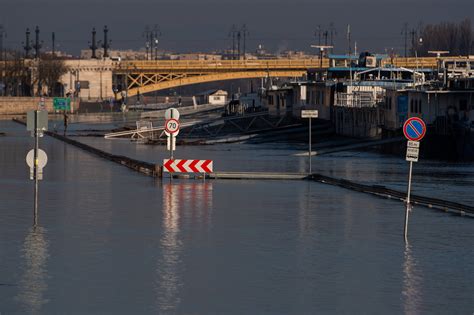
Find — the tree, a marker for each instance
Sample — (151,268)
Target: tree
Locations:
(456,38)
(50,70)
(17,75)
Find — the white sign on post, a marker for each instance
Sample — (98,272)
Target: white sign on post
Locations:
(171,143)
(413,150)
(309,113)
(42,161)
(172,113)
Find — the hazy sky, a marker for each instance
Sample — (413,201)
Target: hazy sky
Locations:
(203,25)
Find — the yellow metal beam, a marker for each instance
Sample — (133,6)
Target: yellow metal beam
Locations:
(209,78)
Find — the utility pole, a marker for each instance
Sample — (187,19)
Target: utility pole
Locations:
(333,33)
(53,40)
(405,34)
(155,34)
(4,59)
(326,34)
(2,34)
(245,33)
(37,45)
(317,34)
(27,46)
(349,39)
(93,45)
(232,34)
(147,36)
(413,41)
(106,44)
(238,44)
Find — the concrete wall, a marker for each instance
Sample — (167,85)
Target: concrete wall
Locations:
(20,105)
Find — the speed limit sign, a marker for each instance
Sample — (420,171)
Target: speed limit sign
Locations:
(172,127)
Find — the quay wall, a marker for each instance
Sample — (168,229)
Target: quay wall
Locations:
(20,105)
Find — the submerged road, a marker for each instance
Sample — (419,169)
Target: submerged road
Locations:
(113,241)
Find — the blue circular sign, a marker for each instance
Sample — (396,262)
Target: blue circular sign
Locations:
(414,129)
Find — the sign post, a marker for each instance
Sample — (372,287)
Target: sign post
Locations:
(171,129)
(309,114)
(414,130)
(37,122)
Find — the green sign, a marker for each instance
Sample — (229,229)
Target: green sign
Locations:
(61,103)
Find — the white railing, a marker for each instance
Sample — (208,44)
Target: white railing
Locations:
(357,99)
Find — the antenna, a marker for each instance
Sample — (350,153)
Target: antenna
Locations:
(349,38)
(321,50)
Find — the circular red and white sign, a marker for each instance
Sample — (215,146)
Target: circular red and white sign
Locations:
(414,129)
(172,125)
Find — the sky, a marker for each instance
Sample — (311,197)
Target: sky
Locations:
(204,25)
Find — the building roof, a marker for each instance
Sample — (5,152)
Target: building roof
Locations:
(333,56)
(213,92)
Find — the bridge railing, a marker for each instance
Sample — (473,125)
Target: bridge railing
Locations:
(220,64)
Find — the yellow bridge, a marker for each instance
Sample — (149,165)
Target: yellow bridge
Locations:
(140,77)
(147,76)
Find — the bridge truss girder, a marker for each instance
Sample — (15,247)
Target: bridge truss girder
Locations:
(142,83)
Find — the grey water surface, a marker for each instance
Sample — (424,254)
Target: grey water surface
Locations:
(112,241)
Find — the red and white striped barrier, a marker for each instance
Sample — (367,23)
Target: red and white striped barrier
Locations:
(187,166)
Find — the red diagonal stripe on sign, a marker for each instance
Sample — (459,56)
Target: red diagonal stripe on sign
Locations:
(192,166)
(414,129)
(168,165)
(204,166)
(181,166)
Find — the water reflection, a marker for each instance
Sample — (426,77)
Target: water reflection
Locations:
(180,202)
(33,285)
(411,284)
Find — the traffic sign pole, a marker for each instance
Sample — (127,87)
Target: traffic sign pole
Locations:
(414,130)
(408,209)
(309,113)
(35,171)
(309,146)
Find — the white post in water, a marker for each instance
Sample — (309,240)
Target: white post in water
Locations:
(36,122)
(305,113)
(309,147)
(408,209)
(414,130)
(171,129)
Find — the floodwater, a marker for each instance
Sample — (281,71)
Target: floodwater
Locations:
(113,241)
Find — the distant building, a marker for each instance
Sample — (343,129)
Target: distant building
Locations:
(194,56)
(116,54)
(214,97)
